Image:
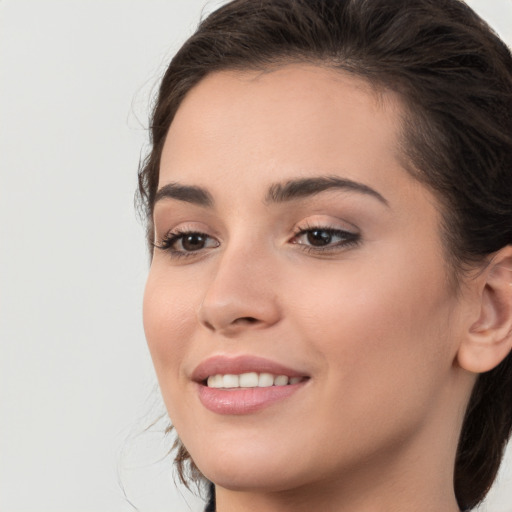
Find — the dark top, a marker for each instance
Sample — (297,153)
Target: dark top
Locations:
(210,506)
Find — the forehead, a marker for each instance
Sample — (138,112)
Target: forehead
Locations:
(279,123)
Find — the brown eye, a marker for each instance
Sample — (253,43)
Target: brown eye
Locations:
(193,241)
(186,243)
(319,237)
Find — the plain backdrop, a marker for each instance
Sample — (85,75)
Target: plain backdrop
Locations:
(77,390)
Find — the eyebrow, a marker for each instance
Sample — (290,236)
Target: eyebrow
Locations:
(305,187)
(277,193)
(187,193)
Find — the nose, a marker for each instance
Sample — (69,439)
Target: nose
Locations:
(242,294)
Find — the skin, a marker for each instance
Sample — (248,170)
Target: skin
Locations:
(376,324)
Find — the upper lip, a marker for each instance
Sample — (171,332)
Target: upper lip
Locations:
(237,365)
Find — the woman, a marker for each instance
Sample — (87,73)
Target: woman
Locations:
(329,206)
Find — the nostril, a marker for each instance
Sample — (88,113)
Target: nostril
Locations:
(208,325)
(246,320)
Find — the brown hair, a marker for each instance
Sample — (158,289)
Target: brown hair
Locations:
(455,78)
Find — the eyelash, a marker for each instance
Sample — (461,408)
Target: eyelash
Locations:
(348,239)
(172,237)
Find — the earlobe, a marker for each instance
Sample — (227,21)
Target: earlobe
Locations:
(488,339)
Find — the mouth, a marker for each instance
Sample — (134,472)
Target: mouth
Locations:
(244,384)
(250,380)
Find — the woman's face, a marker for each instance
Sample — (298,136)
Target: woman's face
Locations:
(293,243)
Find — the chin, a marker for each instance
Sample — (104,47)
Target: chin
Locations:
(254,479)
(250,469)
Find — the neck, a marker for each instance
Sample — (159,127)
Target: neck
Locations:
(377,490)
(416,473)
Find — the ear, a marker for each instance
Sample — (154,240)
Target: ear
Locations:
(488,339)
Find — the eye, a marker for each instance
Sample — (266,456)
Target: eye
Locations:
(319,237)
(184,243)
(323,238)
(192,241)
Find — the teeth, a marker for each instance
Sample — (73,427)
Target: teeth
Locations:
(281,380)
(250,380)
(230,381)
(265,380)
(215,381)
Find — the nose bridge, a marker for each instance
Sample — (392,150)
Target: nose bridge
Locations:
(241,292)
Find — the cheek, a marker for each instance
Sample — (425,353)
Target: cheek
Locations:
(384,346)
(169,315)
(381,330)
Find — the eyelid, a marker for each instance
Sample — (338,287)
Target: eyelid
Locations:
(348,236)
(342,233)
(166,242)
(183,226)
(328,223)
(169,241)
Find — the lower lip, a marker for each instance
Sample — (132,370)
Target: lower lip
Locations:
(244,400)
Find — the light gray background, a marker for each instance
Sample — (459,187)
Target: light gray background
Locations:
(77,388)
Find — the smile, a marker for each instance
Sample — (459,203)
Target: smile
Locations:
(250,380)
(245,384)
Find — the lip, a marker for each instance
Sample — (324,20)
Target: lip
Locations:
(237,365)
(237,401)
